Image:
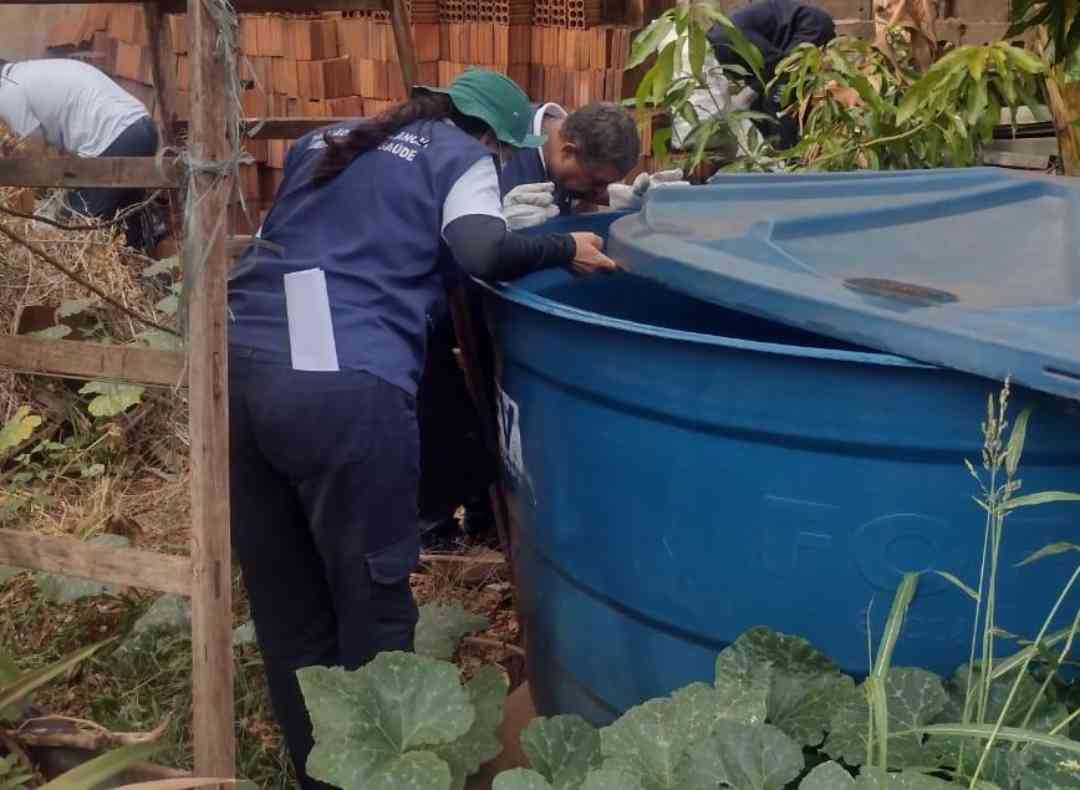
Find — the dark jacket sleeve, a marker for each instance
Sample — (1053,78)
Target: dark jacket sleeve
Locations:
(484,247)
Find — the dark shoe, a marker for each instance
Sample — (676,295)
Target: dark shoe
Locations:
(440,534)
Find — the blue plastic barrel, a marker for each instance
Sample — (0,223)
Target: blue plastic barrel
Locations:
(679,473)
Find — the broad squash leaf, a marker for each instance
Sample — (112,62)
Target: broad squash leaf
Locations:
(563,749)
(759,757)
(1041,768)
(169,304)
(367,723)
(915,698)
(699,707)
(164,266)
(907,780)
(520,779)
(70,307)
(803,707)
(18,429)
(648,742)
(156,338)
(611,780)
(487,694)
(112,398)
(742,682)
(440,629)
(1000,690)
(801,683)
(792,655)
(828,776)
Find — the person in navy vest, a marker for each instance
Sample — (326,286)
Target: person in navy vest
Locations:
(328,336)
(776,27)
(585,152)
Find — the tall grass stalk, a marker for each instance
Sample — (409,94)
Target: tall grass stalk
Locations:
(875,684)
(1060,660)
(977,695)
(1000,723)
(1001,460)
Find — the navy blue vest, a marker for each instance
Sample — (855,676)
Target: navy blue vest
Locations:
(376,231)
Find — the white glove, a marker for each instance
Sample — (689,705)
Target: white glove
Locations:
(529,205)
(541,195)
(744,98)
(623,197)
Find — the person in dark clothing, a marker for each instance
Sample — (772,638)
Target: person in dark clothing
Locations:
(775,27)
(457,466)
(585,151)
(328,338)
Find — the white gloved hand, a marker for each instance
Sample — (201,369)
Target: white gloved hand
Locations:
(525,216)
(624,197)
(541,195)
(529,205)
(744,99)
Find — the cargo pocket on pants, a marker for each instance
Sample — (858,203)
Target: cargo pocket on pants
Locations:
(393,611)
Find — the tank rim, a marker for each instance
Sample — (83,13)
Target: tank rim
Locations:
(542,304)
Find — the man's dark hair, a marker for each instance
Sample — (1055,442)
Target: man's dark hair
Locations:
(605,135)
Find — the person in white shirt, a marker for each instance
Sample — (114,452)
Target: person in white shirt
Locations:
(73,106)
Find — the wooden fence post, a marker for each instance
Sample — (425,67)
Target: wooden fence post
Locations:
(205,266)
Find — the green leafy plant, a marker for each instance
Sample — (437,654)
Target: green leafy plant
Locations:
(111,398)
(684,81)
(1057,17)
(18,429)
(857,107)
(1001,723)
(441,628)
(778,715)
(13,774)
(403,720)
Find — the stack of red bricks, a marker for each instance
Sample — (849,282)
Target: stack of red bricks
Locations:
(419,11)
(346,64)
(555,49)
(490,33)
(573,66)
(568,13)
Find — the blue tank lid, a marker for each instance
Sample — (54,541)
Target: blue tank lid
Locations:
(973,269)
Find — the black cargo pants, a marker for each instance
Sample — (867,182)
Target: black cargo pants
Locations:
(140,140)
(324,475)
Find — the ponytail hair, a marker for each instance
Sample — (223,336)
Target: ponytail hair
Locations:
(370,133)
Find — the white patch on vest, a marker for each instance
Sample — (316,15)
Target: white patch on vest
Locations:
(510,443)
(311,329)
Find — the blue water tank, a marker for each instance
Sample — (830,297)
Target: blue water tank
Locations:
(679,473)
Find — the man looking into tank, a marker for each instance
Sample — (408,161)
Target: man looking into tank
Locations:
(587,154)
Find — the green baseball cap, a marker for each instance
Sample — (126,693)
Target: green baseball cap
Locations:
(497,101)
